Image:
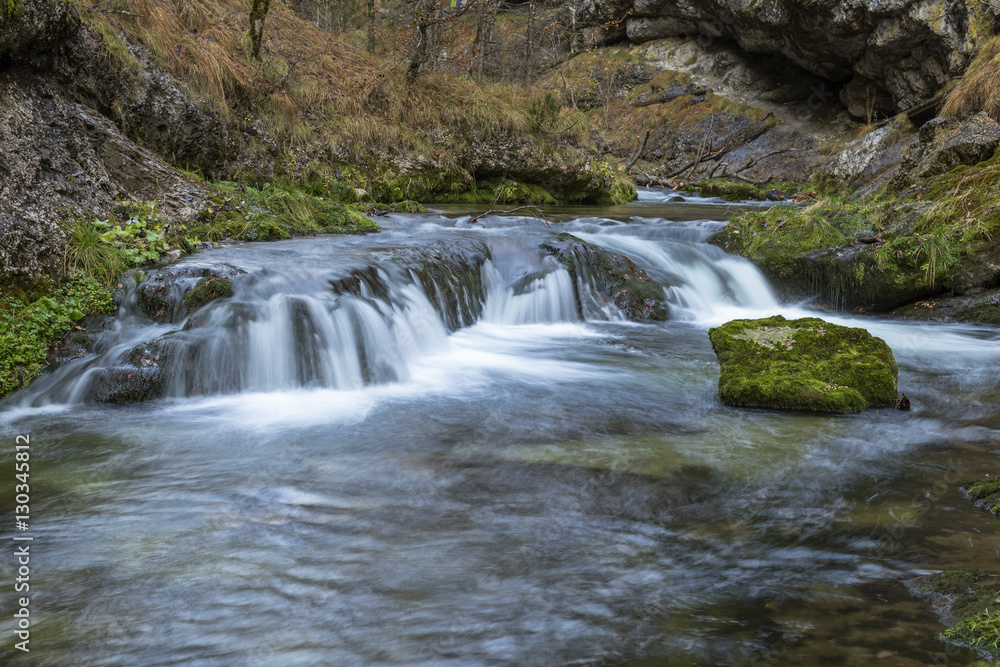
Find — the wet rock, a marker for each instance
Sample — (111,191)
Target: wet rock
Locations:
(805,364)
(166,294)
(127,384)
(451,276)
(613,276)
(966,599)
(982,306)
(206,290)
(986,493)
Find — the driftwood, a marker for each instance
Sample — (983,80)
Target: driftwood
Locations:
(474,219)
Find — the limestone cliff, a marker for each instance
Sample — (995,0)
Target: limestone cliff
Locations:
(888,54)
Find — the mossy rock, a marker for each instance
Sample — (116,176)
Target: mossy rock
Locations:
(970,600)
(805,364)
(985,492)
(613,277)
(207,289)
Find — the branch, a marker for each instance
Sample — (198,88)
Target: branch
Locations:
(672,96)
(474,219)
(635,157)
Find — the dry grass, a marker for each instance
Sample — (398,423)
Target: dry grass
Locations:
(312,89)
(979,89)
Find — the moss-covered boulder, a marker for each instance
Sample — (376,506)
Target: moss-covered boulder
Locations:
(805,364)
(970,601)
(985,492)
(208,289)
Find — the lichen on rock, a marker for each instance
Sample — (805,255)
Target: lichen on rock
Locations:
(804,364)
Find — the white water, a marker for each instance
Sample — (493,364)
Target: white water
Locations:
(529,488)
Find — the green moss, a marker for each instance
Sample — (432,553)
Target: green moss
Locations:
(862,253)
(207,289)
(805,364)
(278,210)
(986,492)
(973,601)
(32,324)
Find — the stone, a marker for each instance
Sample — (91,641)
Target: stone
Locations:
(889,55)
(805,364)
(612,276)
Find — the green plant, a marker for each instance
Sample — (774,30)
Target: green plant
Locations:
(88,252)
(981,631)
(543,113)
(29,329)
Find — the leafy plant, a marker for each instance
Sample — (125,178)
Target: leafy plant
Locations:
(88,252)
(29,329)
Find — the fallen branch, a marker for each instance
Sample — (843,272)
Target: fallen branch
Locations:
(474,219)
(672,96)
(635,158)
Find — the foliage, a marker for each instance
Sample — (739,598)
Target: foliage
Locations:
(544,113)
(88,253)
(29,329)
(276,211)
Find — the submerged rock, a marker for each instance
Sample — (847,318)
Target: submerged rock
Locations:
(985,492)
(804,364)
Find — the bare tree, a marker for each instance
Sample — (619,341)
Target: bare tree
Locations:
(258,12)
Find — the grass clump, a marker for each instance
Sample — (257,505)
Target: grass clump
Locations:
(276,211)
(34,323)
(979,89)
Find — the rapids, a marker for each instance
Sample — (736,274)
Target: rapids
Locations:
(491,467)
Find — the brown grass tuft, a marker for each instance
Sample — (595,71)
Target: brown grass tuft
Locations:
(979,89)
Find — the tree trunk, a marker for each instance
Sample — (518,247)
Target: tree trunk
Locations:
(258,12)
(370,10)
(529,61)
(422,18)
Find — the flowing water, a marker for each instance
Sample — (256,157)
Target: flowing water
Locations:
(355,464)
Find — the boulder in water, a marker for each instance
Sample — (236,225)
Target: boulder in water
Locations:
(208,289)
(804,364)
(613,276)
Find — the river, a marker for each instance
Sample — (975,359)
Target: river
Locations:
(530,488)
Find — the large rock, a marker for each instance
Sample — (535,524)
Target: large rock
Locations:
(603,277)
(805,364)
(891,54)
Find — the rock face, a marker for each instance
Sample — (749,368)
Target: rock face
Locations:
(805,364)
(890,54)
(60,156)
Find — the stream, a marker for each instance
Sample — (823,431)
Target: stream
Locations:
(398,475)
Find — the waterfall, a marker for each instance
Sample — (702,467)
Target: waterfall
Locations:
(288,326)
(706,284)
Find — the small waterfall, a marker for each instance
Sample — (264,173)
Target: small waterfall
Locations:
(537,300)
(706,284)
(289,326)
